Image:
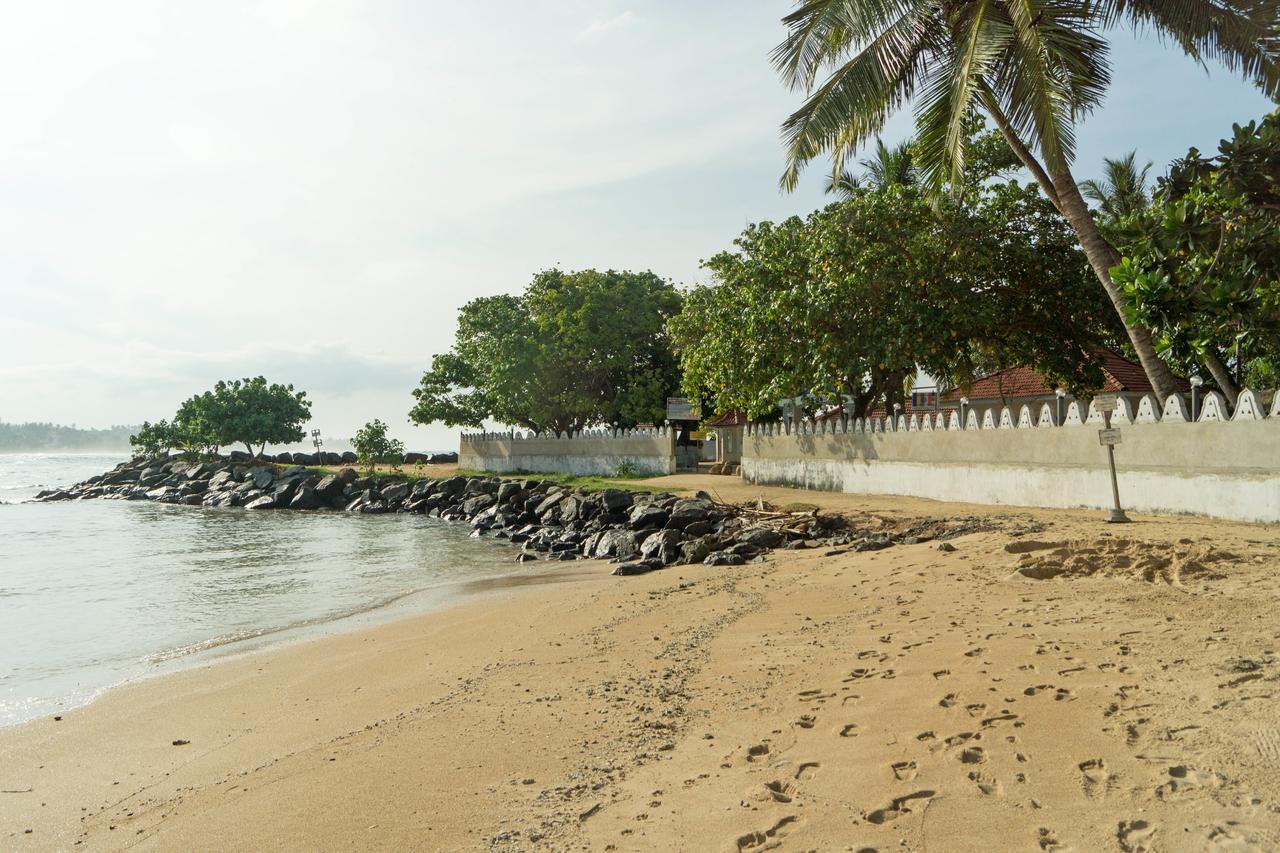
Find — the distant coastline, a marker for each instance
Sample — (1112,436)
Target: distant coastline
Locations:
(56,438)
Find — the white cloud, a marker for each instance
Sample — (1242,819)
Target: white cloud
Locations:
(597,30)
(310,190)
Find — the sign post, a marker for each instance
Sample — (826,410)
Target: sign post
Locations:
(1109,438)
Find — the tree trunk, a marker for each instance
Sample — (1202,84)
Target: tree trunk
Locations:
(1059,186)
(1102,257)
(1222,376)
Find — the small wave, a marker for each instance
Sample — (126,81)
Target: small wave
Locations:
(257,633)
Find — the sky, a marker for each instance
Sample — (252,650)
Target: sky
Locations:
(309,189)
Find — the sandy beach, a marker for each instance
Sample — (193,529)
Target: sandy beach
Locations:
(1041,682)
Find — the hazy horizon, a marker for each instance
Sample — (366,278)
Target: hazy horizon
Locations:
(199,193)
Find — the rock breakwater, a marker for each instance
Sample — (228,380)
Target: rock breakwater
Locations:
(641,531)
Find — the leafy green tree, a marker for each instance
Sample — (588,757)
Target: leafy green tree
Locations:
(575,349)
(153,439)
(1035,67)
(253,412)
(888,166)
(374,447)
(1201,264)
(840,308)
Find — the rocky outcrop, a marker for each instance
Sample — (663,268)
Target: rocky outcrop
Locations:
(548,521)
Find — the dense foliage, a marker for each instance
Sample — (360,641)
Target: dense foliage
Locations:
(1201,263)
(243,411)
(576,349)
(374,447)
(843,306)
(1035,67)
(42,437)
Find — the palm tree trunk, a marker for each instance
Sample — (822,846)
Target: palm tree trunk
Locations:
(1102,257)
(1222,376)
(1060,188)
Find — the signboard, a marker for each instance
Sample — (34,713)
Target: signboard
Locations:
(682,409)
(1108,437)
(1105,402)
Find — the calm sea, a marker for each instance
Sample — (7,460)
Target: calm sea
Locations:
(95,593)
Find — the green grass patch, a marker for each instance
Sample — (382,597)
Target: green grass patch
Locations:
(579,481)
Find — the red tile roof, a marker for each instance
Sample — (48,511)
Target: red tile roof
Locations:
(731,418)
(1119,374)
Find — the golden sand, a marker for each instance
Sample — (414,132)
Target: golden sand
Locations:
(1051,684)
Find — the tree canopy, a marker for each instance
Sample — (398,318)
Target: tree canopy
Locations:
(842,306)
(1036,67)
(1201,263)
(574,350)
(242,411)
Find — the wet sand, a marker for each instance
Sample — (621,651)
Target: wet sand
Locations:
(1052,683)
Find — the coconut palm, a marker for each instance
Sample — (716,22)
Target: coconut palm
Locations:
(890,166)
(844,185)
(1036,67)
(1122,189)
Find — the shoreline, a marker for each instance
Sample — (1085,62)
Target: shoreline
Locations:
(406,605)
(905,698)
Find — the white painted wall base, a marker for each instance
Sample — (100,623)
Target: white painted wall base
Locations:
(1242,498)
(1226,469)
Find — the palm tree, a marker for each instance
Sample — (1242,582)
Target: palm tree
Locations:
(1036,67)
(844,185)
(1122,190)
(890,166)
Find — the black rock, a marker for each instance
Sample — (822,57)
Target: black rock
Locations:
(616,499)
(647,517)
(395,492)
(264,502)
(724,558)
(663,546)
(687,512)
(615,543)
(638,567)
(762,537)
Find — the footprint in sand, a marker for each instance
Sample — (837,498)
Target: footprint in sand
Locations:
(806,721)
(1049,842)
(950,700)
(768,839)
(899,807)
(850,730)
(976,709)
(904,771)
(1096,777)
(1135,836)
(807,770)
(779,792)
(973,755)
(961,737)
(758,751)
(1036,688)
(988,785)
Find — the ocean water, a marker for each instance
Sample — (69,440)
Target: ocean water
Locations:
(96,593)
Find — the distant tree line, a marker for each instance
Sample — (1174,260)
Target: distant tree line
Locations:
(41,437)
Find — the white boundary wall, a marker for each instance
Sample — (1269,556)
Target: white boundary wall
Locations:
(1221,467)
(593,452)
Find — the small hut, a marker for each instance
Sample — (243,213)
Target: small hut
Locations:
(729,429)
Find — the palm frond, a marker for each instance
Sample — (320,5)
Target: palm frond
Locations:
(853,103)
(1241,35)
